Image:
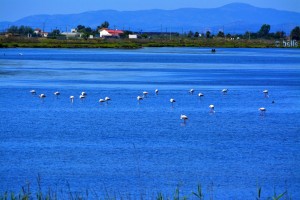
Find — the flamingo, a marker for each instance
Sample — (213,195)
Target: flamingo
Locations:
(156,91)
(42,96)
(56,93)
(107,99)
(83,93)
(200,95)
(183,117)
(139,98)
(191,91)
(266,92)
(145,93)
(32,91)
(81,97)
(72,98)
(212,108)
(101,100)
(172,101)
(224,91)
(262,110)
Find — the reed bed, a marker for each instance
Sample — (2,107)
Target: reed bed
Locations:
(26,193)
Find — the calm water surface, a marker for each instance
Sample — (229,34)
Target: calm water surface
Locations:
(129,149)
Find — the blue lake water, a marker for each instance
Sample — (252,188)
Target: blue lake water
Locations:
(129,149)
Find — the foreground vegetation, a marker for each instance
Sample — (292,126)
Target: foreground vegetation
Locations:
(198,193)
(24,42)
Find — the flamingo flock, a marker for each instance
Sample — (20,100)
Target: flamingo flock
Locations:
(183,117)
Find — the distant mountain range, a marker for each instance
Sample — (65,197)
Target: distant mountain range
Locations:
(232,18)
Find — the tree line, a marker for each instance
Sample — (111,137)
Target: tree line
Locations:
(27,30)
(22,30)
(263,33)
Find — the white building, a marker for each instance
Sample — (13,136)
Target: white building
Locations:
(132,36)
(72,34)
(104,32)
(39,32)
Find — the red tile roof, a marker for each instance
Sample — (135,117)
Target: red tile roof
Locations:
(113,32)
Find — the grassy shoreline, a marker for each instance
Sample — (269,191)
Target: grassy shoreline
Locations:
(37,191)
(200,193)
(19,42)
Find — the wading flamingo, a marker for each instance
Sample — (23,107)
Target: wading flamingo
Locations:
(172,101)
(183,117)
(72,99)
(212,108)
(224,91)
(262,110)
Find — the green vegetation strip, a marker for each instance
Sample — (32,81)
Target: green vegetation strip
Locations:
(49,194)
(22,42)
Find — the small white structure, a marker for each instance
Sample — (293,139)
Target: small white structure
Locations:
(72,34)
(132,36)
(40,33)
(45,34)
(37,31)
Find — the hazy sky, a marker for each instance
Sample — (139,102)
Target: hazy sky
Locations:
(11,10)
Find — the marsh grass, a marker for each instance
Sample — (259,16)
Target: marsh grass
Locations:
(40,194)
(12,42)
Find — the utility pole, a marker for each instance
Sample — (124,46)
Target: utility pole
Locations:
(160,35)
(67,32)
(166,33)
(161,29)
